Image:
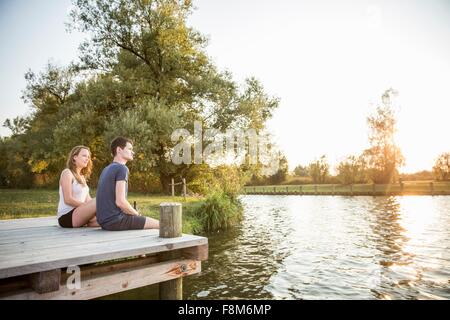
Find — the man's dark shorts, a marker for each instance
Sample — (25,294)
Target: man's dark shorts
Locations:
(125,222)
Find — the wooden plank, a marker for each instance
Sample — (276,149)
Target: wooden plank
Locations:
(152,243)
(88,271)
(46,259)
(199,253)
(27,223)
(67,239)
(139,239)
(44,231)
(113,282)
(22,282)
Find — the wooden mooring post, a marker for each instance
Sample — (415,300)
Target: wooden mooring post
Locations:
(170,224)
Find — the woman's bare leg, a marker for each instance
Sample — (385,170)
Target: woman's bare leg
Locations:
(84,214)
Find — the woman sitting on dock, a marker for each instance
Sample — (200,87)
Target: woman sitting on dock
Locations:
(76,208)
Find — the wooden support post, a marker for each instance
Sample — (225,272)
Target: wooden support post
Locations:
(170,224)
(301,190)
(134,205)
(46,281)
(287,189)
(173,188)
(401,186)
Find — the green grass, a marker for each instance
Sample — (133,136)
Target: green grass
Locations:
(409,187)
(15,204)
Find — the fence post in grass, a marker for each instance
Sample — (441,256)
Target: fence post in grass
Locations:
(315,189)
(373,189)
(287,189)
(301,190)
(170,215)
(432,188)
(351,189)
(184,189)
(401,186)
(173,188)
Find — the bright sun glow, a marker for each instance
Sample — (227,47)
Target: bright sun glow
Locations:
(330,64)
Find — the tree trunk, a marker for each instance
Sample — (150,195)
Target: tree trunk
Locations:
(165,180)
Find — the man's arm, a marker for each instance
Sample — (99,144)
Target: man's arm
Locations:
(121,200)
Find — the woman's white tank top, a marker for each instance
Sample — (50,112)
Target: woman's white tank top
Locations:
(79,192)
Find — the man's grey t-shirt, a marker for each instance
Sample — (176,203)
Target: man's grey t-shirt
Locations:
(107,210)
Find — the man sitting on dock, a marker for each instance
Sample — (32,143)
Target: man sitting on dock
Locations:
(114,212)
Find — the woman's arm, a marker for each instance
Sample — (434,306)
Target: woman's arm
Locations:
(66,185)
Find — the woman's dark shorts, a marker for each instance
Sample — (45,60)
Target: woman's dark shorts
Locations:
(125,222)
(65,220)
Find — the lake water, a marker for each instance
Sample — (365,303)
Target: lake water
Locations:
(325,247)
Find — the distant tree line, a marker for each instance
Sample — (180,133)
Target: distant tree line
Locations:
(379,163)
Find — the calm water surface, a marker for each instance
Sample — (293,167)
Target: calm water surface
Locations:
(325,247)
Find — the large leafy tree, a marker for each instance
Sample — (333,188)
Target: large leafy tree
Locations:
(352,170)
(147,45)
(319,170)
(441,168)
(384,156)
(143,73)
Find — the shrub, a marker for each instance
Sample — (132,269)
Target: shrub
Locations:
(220,211)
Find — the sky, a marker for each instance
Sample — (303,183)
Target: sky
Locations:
(328,61)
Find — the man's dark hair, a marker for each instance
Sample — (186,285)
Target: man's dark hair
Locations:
(119,142)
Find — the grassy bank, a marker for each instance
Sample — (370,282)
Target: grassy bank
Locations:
(406,188)
(15,204)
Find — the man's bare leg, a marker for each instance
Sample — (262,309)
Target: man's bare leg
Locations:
(151,223)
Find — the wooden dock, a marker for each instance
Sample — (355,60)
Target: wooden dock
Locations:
(40,260)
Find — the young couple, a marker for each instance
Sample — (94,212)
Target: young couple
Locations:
(110,209)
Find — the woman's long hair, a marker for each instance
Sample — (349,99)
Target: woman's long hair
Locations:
(85,172)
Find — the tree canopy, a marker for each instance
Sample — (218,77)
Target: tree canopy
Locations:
(143,72)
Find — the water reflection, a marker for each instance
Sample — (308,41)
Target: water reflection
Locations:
(325,247)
